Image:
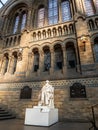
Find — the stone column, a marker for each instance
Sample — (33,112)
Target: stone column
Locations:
(79,6)
(29,16)
(46,16)
(1,64)
(74,5)
(64,60)
(12,64)
(4,65)
(52,61)
(35,18)
(31,60)
(22,63)
(41,61)
(0,61)
(5,23)
(9,70)
(30,64)
(77,58)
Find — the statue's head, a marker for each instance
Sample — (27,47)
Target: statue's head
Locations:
(47,81)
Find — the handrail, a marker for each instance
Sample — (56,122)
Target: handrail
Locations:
(94,105)
(94,120)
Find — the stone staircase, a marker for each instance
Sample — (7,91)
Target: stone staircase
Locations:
(5,114)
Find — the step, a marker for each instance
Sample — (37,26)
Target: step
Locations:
(7,117)
(5,114)
(1,112)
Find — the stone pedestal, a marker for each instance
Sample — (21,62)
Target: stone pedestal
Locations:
(41,116)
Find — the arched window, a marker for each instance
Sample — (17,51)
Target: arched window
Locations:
(36,59)
(96,4)
(71,55)
(16,23)
(41,16)
(47,58)
(89,7)
(66,10)
(58,57)
(23,23)
(52,12)
(96,49)
(18,20)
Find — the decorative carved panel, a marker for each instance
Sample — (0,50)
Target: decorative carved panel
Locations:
(77,90)
(26,93)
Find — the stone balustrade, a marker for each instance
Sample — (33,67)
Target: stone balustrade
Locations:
(12,40)
(92,23)
(53,31)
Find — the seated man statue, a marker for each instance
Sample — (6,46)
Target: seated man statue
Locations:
(46,96)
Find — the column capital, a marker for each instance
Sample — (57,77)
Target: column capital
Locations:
(30,54)
(52,50)
(41,52)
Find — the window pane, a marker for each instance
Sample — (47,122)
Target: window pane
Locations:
(96,4)
(41,17)
(66,14)
(23,21)
(96,52)
(53,12)
(16,24)
(88,7)
(47,61)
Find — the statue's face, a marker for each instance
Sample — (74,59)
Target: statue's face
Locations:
(47,81)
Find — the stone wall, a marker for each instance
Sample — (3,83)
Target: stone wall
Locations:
(21,45)
(69,108)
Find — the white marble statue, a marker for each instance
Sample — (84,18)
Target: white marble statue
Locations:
(46,96)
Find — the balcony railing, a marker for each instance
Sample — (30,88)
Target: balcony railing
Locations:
(92,23)
(12,40)
(57,30)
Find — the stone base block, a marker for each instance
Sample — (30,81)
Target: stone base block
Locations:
(41,116)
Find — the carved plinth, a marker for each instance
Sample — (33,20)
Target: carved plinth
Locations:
(41,116)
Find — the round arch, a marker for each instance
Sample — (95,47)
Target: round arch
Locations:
(93,37)
(13,6)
